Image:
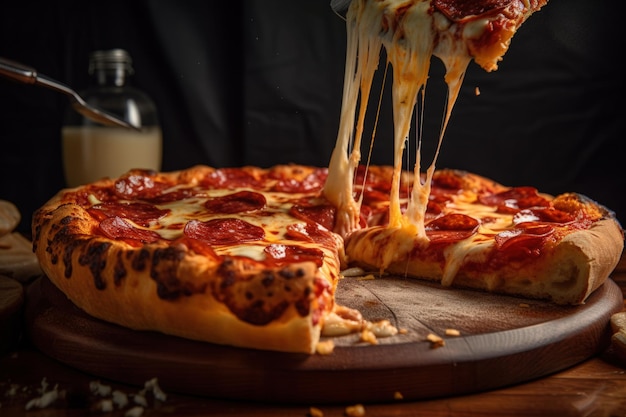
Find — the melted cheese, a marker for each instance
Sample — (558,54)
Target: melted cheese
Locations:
(275,219)
(410,43)
(412,32)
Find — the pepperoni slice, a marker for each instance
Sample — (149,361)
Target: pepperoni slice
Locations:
(118,228)
(523,243)
(231,178)
(139,184)
(312,182)
(515,199)
(225,231)
(84,194)
(310,232)
(170,196)
(141,213)
(240,202)
(374,196)
(373,181)
(434,207)
(198,246)
(451,228)
(549,215)
(284,254)
(447,182)
(323,214)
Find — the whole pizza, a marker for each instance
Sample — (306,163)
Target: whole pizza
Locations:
(249,256)
(253,257)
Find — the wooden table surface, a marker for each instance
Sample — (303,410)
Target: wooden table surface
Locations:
(595,387)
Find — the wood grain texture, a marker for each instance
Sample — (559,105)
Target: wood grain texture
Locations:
(504,341)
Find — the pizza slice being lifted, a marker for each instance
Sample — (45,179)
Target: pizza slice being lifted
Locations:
(412,32)
(526,244)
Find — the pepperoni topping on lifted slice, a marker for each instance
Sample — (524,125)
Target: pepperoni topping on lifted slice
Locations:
(515,199)
(141,213)
(120,229)
(284,254)
(451,228)
(227,231)
(240,202)
(456,10)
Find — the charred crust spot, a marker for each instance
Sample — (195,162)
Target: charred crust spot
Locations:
(303,306)
(140,260)
(67,261)
(260,297)
(290,273)
(95,258)
(268,279)
(66,220)
(36,235)
(164,271)
(119,269)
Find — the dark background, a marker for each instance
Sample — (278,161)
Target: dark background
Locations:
(260,81)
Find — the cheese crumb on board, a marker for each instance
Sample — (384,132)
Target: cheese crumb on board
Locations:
(353,272)
(435,341)
(325,347)
(453,332)
(369,337)
(382,328)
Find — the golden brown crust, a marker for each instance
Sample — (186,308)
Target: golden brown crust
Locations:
(487,27)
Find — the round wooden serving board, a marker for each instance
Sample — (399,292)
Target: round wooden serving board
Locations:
(503,341)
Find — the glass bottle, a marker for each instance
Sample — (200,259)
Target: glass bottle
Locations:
(92,151)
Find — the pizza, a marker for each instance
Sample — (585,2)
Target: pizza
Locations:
(253,257)
(249,256)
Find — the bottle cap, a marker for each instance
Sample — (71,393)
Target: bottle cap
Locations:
(113,59)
